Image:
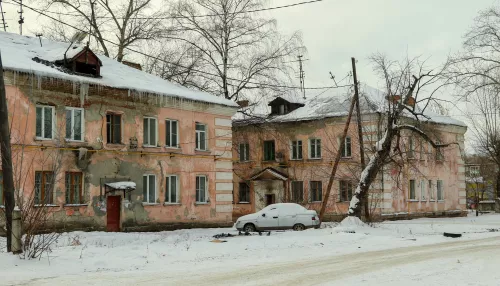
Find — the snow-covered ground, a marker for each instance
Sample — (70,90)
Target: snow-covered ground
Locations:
(391,253)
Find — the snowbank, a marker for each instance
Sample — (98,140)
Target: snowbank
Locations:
(352,221)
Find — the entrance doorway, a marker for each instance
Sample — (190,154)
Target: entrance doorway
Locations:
(270,199)
(113,213)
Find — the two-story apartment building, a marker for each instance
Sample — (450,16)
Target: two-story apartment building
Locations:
(101,145)
(286,154)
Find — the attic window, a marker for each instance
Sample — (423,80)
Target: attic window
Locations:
(86,68)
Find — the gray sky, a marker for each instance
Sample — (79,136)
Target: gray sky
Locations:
(336,30)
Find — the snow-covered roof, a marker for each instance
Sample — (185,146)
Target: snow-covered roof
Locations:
(121,185)
(18,53)
(335,103)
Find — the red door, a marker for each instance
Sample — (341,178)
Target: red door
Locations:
(113,213)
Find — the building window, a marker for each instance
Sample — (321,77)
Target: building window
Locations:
(315,148)
(422,190)
(44,182)
(244,150)
(440,191)
(269,154)
(345,191)
(150,132)
(431,191)
(45,122)
(346,151)
(316,191)
(74,124)
(114,128)
(439,153)
(412,194)
(201,189)
(172,189)
(411,148)
(297,191)
(149,189)
(297,150)
(74,182)
(473,171)
(201,136)
(172,132)
(244,193)
(2,195)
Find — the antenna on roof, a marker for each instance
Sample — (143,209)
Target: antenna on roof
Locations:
(39,36)
(77,37)
(333,78)
(302,77)
(21,19)
(3,18)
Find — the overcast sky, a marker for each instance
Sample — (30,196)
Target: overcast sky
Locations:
(336,30)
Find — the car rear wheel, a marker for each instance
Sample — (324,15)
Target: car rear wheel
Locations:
(299,227)
(249,227)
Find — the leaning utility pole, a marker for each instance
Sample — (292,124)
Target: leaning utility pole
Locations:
(5,152)
(302,77)
(337,160)
(21,19)
(360,132)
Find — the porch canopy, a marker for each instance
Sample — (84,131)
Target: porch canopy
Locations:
(269,174)
(125,186)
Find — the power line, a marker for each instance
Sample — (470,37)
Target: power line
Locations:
(191,16)
(257,84)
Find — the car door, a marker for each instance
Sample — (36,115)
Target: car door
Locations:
(287,217)
(269,219)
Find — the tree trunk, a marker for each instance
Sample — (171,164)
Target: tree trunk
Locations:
(498,183)
(5,152)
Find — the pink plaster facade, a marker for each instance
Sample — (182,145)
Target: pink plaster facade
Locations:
(98,162)
(390,195)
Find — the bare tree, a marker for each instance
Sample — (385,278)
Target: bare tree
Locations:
(475,72)
(401,114)
(238,50)
(125,23)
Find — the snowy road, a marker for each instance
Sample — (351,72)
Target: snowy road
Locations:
(455,260)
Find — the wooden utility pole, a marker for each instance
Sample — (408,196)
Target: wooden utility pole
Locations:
(337,160)
(5,152)
(360,133)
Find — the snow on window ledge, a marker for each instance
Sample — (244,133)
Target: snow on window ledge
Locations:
(172,147)
(46,205)
(73,141)
(315,202)
(244,203)
(413,201)
(201,203)
(202,151)
(150,204)
(2,206)
(150,146)
(346,158)
(315,159)
(172,204)
(75,205)
(440,201)
(43,139)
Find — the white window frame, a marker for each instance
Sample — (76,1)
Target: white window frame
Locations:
(310,192)
(82,127)
(43,119)
(198,135)
(474,173)
(206,190)
(144,129)
(315,148)
(168,191)
(422,191)
(169,123)
(300,154)
(245,151)
(438,184)
(432,194)
(145,200)
(414,190)
(344,151)
(411,148)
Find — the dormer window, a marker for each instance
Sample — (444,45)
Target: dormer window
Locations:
(280,106)
(81,61)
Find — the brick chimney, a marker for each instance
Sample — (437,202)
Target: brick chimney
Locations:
(243,103)
(132,65)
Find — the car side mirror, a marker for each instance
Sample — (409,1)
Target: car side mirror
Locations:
(263,215)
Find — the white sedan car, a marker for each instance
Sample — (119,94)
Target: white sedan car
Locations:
(279,216)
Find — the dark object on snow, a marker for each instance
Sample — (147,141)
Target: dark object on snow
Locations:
(349,231)
(493,229)
(454,235)
(220,235)
(269,233)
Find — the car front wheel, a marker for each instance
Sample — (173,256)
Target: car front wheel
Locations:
(249,227)
(299,227)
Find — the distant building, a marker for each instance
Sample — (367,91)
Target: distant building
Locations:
(285,153)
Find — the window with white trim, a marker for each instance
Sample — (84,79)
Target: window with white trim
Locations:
(149,189)
(172,189)
(150,132)
(440,191)
(314,148)
(201,136)
(172,133)
(244,149)
(412,193)
(422,190)
(316,191)
(296,153)
(346,151)
(45,119)
(345,190)
(411,148)
(201,189)
(432,196)
(297,191)
(244,192)
(44,187)
(75,124)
